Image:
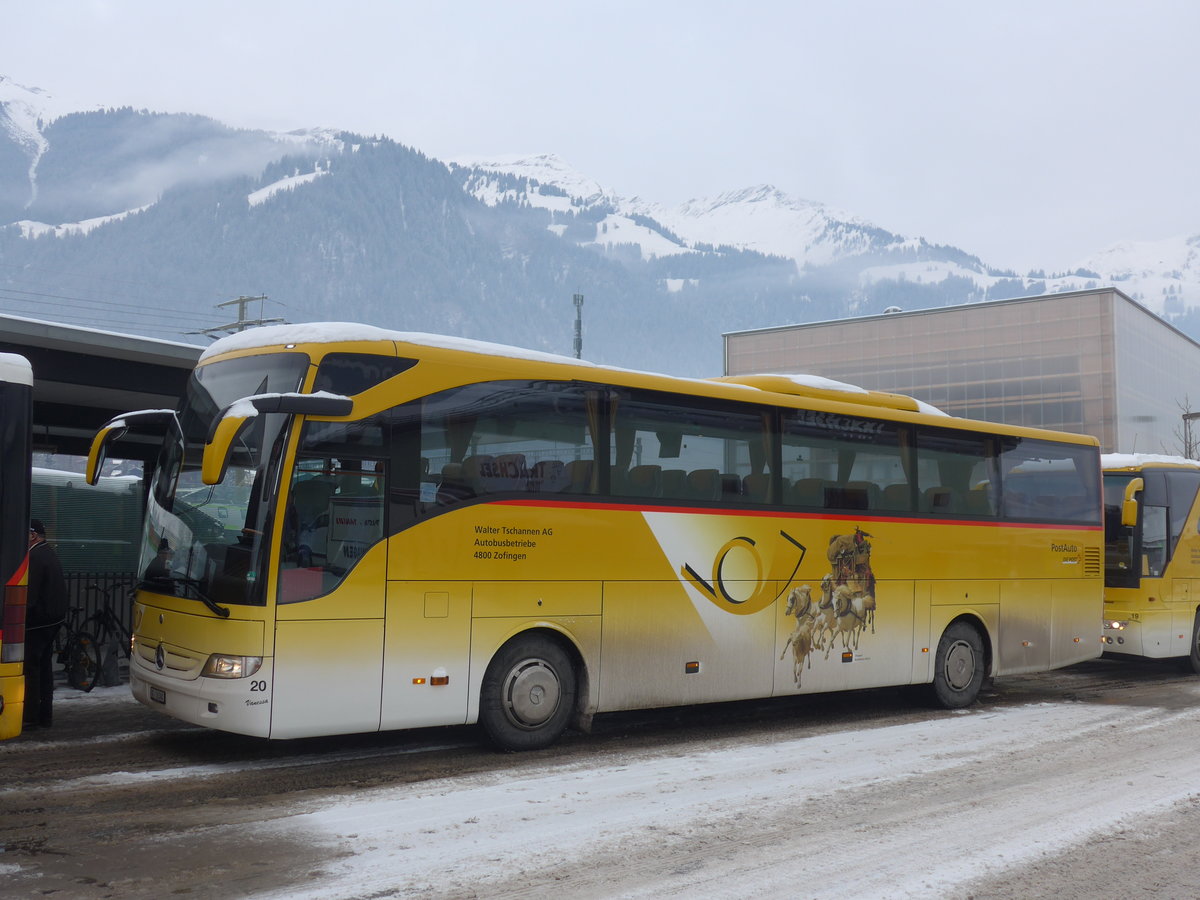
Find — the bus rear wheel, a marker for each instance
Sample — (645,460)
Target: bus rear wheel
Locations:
(527,695)
(958,667)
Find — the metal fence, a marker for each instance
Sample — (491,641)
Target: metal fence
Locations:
(88,591)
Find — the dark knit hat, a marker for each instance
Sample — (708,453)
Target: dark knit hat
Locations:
(36,526)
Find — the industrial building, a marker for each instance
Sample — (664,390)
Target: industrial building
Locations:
(1091,362)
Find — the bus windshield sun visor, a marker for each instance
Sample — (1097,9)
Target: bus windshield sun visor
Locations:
(321,403)
(228,425)
(116,428)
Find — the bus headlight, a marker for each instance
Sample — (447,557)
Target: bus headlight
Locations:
(222,666)
(1114,625)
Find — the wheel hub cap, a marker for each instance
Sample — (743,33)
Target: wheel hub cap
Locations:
(533,693)
(960,665)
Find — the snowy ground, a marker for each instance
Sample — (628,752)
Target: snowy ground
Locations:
(1072,788)
(915,810)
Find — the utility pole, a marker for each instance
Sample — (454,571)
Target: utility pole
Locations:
(242,322)
(578,298)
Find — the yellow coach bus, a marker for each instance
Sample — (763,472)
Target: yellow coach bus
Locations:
(1152,556)
(354,529)
(16,410)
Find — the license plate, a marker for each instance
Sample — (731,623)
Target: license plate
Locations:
(158,695)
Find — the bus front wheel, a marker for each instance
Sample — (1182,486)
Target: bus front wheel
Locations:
(958,666)
(527,695)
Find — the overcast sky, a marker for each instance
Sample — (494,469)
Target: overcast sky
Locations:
(1029,132)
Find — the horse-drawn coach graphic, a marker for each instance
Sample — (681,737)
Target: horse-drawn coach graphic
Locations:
(846,606)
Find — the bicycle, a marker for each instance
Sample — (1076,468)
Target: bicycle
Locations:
(78,653)
(110,634)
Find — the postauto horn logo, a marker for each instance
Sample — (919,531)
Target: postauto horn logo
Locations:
(748,576)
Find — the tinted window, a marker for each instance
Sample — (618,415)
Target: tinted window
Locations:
(956,473)
(668,446)
(844,462)
(500,439)
(1045,481)
(353,373)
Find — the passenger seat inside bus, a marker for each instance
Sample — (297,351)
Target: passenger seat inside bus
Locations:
(757,487)
(897,498)
(704,484)
(453,487)
(674,483)
(937,500)
(548,476)
(475,472)
(508,472)
(644,481)
(579,476)
(808,492)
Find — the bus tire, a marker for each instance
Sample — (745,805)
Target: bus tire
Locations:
(527,694)
(958,667)
(1194,655)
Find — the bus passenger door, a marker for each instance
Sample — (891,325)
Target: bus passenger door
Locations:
(426,654)
(328,664)
(329,654)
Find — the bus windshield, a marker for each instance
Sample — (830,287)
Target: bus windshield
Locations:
(207,542)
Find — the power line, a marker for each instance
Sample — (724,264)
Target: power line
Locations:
(157,288)
(177,323)
(33,298)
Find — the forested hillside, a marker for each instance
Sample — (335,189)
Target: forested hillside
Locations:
(144,222)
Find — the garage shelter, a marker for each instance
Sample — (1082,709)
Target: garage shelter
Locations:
(82,378)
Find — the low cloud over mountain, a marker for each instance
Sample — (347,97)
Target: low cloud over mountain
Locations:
(142,222)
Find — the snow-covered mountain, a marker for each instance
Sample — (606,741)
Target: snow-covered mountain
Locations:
(1163,275)
(24,112)
(377,231)
(49,183)
(760,218)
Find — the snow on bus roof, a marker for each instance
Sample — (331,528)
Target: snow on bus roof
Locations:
(822,383)
(15,369)
(334,332)
(1134,460)
(829,384)
(784,382)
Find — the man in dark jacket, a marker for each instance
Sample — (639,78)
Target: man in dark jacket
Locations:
(47,599)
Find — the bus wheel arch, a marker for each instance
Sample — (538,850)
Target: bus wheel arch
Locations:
(1194,648)
(531,690)
(961,663)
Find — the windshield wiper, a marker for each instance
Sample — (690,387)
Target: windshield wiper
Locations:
(194,584)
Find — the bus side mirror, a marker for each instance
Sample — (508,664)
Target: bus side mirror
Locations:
(1129,505)
(114,429)
(234,417)
(219,445)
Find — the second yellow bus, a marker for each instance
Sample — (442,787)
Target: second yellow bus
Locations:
(1152,556)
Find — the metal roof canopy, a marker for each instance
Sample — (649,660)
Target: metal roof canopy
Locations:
(83,377)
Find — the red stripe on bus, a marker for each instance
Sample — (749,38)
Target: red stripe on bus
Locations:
(763,513)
